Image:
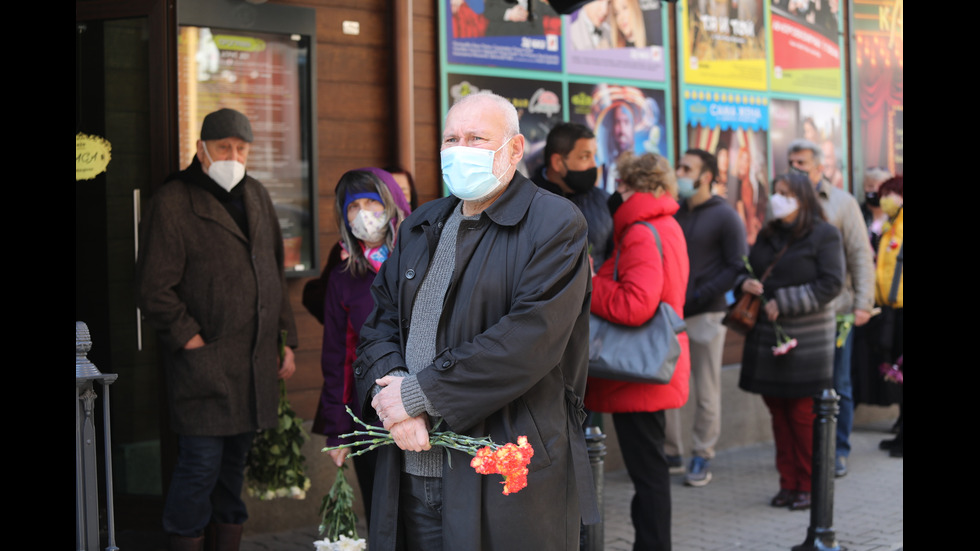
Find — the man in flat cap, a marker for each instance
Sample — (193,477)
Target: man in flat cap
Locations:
(210,277)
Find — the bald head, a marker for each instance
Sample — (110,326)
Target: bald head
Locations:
(486,121)
(487,102)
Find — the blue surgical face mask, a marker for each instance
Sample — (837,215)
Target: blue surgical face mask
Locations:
(685,188)
(468,171)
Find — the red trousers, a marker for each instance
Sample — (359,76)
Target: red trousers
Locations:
(792,428)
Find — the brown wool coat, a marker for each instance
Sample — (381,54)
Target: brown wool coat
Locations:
(198,273)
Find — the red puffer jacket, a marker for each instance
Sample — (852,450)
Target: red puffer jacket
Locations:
(644,280)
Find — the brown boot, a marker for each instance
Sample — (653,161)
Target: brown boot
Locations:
(228,537)
(182,543)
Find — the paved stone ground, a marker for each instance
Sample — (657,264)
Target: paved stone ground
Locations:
(733,512)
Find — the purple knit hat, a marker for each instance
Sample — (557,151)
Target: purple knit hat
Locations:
(393,187)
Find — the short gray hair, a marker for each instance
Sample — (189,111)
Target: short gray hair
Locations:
(800,144)
(877,175)
(513,125)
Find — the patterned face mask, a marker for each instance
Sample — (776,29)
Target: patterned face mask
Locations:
(370,227)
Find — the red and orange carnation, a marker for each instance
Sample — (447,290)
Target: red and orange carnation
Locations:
(510,460)
(483,462)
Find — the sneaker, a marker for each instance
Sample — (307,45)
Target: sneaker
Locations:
(698,473)
(676,464)
(840,466)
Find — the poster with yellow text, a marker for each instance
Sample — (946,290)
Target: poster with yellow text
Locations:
(724,43)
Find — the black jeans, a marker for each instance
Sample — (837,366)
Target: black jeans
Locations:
(641,440)
(420,505)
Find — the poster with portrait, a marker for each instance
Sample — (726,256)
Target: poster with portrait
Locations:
(724,43)
(616,38)
(879,69)
(624,118)
(538,103)
(523,34)
(806,47)
(813,120)
(734,126)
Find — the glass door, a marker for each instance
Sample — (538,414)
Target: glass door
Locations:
(119,66)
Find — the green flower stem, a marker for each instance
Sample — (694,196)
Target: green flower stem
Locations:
(446,439)
(781,336)
(845,322)
(275,461)
(336,510)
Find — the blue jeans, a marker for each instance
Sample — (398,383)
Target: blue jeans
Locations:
(842,384)
(207,483)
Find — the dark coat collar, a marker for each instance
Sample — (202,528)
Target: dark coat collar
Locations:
(508,210)
(206,204)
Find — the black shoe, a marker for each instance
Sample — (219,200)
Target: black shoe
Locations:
(896,451)
(676,464)
(783,498)
(886,445)
(840,466)
(801,503)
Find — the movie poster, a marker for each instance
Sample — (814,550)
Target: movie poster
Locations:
(724,43)
(814,120)
(538,103)
(879,57)
(806,47)
(616,38)
(524,34)
(734,127)
(624,118)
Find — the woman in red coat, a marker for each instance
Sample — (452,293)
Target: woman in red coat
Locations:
(648,189)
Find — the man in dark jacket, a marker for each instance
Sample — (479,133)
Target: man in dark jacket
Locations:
(715,246)
(481,327)
(570,171)
(210,276)
(857,297)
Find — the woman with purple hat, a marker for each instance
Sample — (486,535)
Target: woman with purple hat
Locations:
(369,206)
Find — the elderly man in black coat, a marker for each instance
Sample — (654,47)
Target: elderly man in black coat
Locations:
(210,276)
(481,320)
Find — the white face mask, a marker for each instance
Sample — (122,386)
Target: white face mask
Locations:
(227,174)
(783,206)
(369,227)
(468,171)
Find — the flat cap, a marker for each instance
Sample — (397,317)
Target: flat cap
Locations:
(226,123)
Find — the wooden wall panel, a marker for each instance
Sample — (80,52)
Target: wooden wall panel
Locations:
(428,120)
(354,123)
(353,120)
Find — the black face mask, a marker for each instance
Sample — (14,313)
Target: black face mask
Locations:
(872,199)
(581,181)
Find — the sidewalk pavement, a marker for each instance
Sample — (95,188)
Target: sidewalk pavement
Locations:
(733,512)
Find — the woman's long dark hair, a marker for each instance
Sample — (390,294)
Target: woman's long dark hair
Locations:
(809,205)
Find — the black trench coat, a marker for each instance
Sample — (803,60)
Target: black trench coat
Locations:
(513,342)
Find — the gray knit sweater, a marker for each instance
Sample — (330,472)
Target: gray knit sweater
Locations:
(420,348)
